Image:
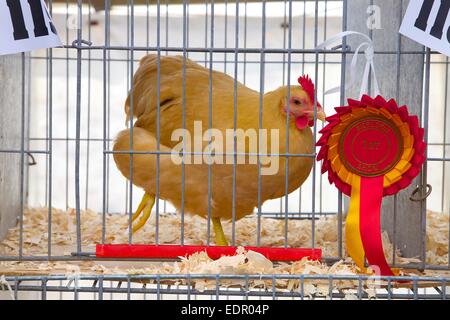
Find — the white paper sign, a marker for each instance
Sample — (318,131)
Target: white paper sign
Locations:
(428,22)
(26,25)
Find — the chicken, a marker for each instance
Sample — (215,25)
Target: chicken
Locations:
(163,176)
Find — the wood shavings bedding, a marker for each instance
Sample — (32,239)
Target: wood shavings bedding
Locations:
(63,236)
(63,239)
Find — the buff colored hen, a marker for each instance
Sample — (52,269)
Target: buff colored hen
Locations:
(219,201)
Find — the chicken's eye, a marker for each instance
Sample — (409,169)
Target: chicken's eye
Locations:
(297,102)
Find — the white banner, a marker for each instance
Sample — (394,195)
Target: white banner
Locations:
(26,25)
(427,22)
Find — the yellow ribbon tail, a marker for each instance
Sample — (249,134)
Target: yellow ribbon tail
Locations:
(353,240)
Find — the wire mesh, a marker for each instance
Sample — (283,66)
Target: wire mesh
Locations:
(184,287)
(74,110)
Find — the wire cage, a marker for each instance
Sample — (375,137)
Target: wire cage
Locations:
(68,195)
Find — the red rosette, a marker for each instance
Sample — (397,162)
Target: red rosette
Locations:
(370,148)
(389,108)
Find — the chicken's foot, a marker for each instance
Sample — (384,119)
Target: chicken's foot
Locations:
(220,236)
(144,209)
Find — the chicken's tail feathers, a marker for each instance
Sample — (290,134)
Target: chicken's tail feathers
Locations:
(157,78)
(167,64)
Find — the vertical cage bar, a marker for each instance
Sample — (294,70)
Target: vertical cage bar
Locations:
(88,111)
(68,103)
(389,290)
(342,101)
(323,98)
(16,288)
(262,69)
(78,124)
(167,26)
(445,139)
(158,115)
(217,287)
(398,88)
(130,75)
(316,72)
(158,287)
(188,283)
(127,183)
(225,56)
(286,185)
(330,287)
(44,289)
(235,116)
(46,116)
(105,123)
(274,296)
(22,157)
(304,39)
(49,162)
(210,110)
(302,287)
(206,35)
(424,172)
(245,43)
(28,126)
(128,287)
(285,26)
(75,290)
(415,289)
(100,283)
(183,99)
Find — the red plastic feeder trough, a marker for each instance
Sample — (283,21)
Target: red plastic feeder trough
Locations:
(214,252)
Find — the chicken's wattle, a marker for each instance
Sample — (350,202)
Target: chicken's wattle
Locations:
(303,121)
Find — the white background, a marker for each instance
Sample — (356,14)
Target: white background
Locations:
(64,96)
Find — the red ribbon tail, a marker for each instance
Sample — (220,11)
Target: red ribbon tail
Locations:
(370,225)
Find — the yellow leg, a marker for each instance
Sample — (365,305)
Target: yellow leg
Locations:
(220,236)
(144,209)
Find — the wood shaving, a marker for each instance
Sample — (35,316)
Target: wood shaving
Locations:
(63,238)
(5,284)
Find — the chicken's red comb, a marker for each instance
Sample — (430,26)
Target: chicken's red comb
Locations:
(307,85)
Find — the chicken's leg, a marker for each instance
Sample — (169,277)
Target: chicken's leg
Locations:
(220,236)
(144,210)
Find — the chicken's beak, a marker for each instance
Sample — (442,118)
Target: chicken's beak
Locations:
(321,115)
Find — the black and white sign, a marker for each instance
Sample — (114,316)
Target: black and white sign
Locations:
(26,25)
(428,22)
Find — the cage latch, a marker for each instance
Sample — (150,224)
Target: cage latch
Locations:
(76,43)
(418,198)
(32,161)
(344,47)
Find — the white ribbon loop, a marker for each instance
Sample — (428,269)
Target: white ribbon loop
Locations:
(367,46)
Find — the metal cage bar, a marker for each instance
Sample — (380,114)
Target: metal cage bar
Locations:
(227,41)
